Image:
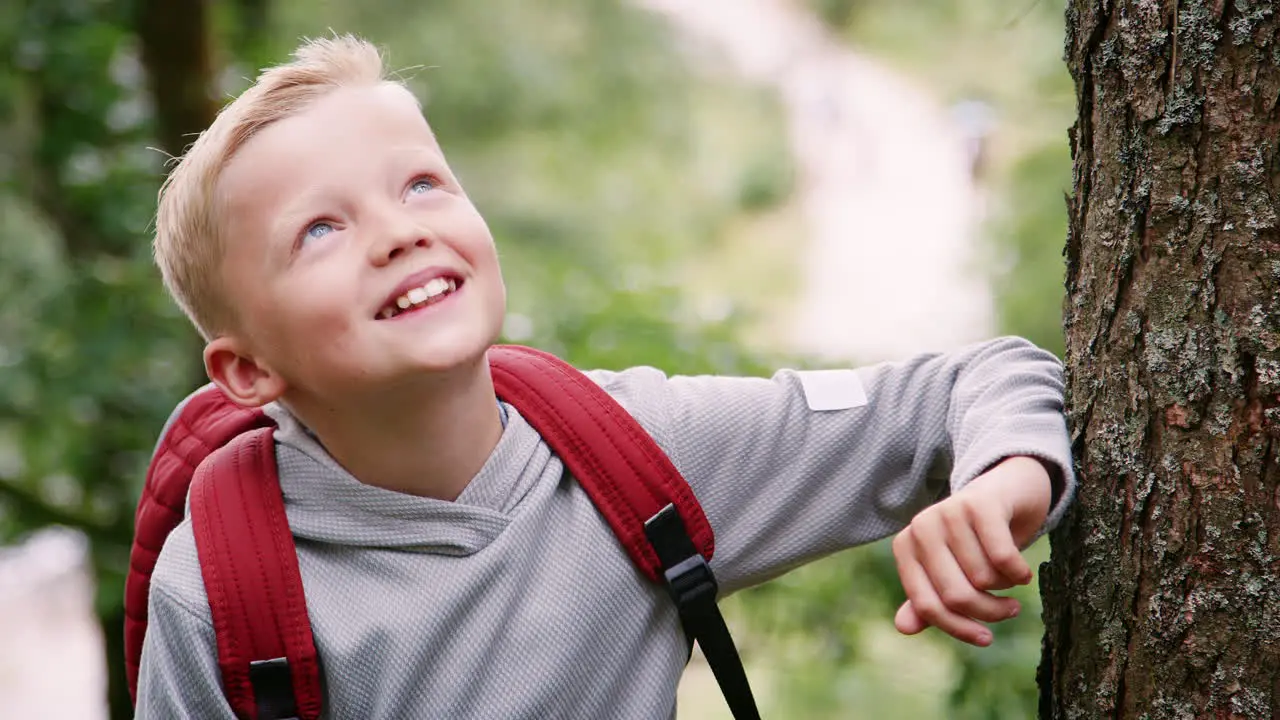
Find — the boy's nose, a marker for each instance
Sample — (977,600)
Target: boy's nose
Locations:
(395,239)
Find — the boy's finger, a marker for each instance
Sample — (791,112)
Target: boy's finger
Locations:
(929,607)
(953,587)
(972,558)
(997,540)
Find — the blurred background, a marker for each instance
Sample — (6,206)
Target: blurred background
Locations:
(715,186)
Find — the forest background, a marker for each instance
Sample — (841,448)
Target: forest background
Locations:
(652,204)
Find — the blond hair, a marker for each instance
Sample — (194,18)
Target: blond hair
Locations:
(188,244)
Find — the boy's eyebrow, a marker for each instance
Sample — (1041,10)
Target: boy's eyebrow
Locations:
(296,210)
(289,218)
(416,152)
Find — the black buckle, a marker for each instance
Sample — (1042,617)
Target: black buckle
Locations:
(689,577)
(691,581)
(273,689)
(693,587)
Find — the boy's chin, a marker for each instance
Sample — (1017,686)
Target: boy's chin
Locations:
(446,360)
(444,350)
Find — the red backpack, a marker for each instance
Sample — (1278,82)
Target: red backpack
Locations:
(225,456)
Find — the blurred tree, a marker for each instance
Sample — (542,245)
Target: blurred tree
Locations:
(92,358)
(1161,596)
(1027,269)
(174,46)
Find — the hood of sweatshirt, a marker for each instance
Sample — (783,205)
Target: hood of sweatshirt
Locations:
(326,504)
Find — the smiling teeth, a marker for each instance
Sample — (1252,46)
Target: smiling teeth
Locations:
(434,288)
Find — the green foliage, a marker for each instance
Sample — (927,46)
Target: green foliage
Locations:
(838,14)
(997,682)
(621,189)
(91,347)
(599,161)
(1028,270)
(826,630)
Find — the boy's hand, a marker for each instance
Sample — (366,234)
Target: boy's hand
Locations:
(959,549)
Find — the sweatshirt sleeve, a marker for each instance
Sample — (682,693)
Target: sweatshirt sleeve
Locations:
(179,675)
(803,464)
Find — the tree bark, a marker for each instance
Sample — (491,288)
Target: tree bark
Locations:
(1162,597)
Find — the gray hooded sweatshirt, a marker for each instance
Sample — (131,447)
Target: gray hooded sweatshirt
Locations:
(516,600)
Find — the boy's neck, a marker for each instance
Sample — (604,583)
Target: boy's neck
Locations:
(428,438)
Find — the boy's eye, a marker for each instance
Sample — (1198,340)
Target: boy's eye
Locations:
(315,231)
(422,185)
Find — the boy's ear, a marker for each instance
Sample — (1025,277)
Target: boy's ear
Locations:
(244,380)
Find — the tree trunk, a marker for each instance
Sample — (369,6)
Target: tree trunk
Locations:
(1162,598)
(174,39)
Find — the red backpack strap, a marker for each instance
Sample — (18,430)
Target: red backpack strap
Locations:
(622,469)
(637,489)
(203,422)
(265,648)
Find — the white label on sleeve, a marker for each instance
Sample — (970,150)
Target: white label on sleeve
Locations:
(832,389)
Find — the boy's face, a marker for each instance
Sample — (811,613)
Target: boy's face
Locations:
(353,256)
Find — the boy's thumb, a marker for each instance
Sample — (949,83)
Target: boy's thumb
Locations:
(907,621)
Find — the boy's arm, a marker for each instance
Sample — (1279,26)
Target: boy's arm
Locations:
(179,676)
(801,465)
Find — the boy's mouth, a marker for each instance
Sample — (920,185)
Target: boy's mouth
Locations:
(432,291)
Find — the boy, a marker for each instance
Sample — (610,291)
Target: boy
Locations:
(317,238)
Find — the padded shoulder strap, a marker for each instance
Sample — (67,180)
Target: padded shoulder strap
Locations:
(265,648)
(204,422)
(628,477)
(637,489)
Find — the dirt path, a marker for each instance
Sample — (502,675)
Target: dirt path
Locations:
(883,177)
(51,655)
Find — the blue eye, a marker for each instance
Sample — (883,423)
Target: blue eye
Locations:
(420,186)
(318,230)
